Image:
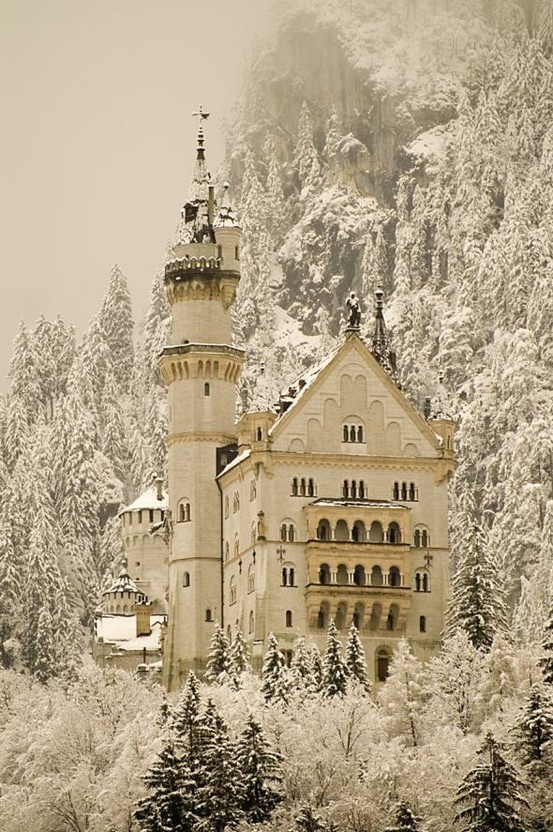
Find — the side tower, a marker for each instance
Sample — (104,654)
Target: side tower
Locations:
(200,368)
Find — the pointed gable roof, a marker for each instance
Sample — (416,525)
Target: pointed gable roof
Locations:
(315,378)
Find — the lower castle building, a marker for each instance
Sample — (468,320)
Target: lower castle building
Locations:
(332,506)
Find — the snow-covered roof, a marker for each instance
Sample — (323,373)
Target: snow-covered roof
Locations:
(121,631)
(148,500)
(342,502)
(236,461)
(123,583)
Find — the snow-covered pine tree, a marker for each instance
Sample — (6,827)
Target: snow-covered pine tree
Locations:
(403,696)
(186,720)
(477,605)
(303,676)
(546,659)
(335,671)
(217,666)
(274,682)
(355,659)
(11,622)
(168,806)
(306,158)
(218,781)
(405,819)
(117,327)
(239,658)
(260,773)
(534,729)
(490,795)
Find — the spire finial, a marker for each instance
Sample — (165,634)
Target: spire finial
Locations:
(380,344)
(201,116)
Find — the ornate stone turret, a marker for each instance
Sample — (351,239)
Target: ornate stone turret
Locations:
(380,346)
(200,368)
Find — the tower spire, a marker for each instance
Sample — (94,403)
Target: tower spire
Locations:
(195,224)
(380,346)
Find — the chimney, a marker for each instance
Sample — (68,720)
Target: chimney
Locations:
(159,488)
(142,612)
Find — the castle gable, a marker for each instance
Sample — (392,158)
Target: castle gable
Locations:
(352,406)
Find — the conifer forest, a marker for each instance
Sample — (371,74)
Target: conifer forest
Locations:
(404,144)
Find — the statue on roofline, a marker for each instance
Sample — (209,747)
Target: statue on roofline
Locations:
(354,308)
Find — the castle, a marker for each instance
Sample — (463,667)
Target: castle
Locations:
(332,506)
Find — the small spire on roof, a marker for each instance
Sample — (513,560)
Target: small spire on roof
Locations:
(195,223)
(226,218)
(380,346)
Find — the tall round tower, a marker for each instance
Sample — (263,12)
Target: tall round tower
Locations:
(200,368)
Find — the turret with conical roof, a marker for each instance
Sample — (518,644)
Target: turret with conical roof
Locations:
(200,368)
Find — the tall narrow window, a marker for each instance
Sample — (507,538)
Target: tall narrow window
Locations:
(360,433)
(412,491)
(288,618)
(354,489)
(208,616)
(291,534)
(284,581)
(295,487)
(422,624)
(403,490)
(346,434)
(283,532)
(311,488)
(361,490)
(302,487)
(291,577)
(345,489)
(186,579)
(395,491)
(206,388)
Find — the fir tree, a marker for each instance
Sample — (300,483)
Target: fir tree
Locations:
(404,695)
(488,797)
(405,819)
(218,792)
(546,660)
(10,604)
(273,674)
(335,671)
(355,659)
(217,666)
(168,805)
(239,660)
(260,773)
(308,821)
(304,676)
(117,325)
(534,729)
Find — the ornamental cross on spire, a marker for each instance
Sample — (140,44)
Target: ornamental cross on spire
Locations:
(201,116)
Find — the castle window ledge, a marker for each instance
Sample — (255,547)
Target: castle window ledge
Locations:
(314,588)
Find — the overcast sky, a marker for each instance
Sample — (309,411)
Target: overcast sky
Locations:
(97,142)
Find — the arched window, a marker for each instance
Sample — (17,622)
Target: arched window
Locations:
(391,621)
(259,434)
(283,532)
(208,615)
(251,622)
(352,434)
(376,535)
(395,491)
(359,576)
(360,433)
(341,531)
(424,538)
(291,577)
(421,537)
(206,388)
(417,538)
(340,619)
(342,575)
(359,533)
(288,618)
(394,577)
(311,487)
(394,533)
(284,578)
(361,489)
(324,574)
(346,434)
(377,578)
(382,664)
(295,487)
(183,512)
(186,579)
(358,615)
(425,582)
(227,508)
(412,491)
(302,487)
(354,489)
(232,590)
(422,624)
(403,490)
(323,530)
(322,617)
(345,489)
(251,578)
(291,533)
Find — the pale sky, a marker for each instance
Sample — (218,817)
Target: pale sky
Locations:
(97,141)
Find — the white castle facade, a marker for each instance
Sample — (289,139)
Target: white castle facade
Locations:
(333,506)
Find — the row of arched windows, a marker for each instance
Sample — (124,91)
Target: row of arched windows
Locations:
(341,616)
(287,532)
(421,538)
(288,576)
(358,533)
(359,577)
(405,491)
(353,433)
(183,512)
(354,490)
(302,487)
